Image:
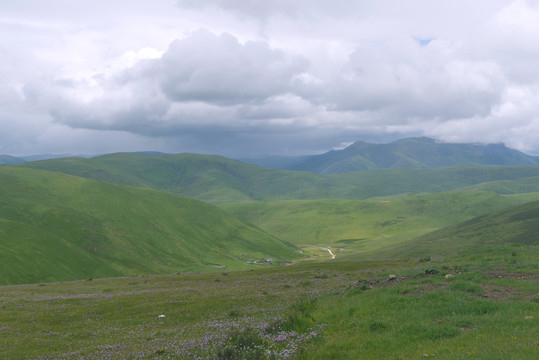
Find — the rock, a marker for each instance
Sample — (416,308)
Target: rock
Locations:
(449,276)
(391,277)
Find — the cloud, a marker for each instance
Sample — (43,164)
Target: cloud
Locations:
(409,81)
(201,80)
(297,76)
(218,69)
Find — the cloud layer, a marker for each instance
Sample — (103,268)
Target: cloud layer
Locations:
(239,78)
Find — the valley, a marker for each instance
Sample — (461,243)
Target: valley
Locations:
(133,255)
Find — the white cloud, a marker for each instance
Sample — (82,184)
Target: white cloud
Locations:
(261,75)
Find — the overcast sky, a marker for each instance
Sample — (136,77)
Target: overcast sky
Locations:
(250,77)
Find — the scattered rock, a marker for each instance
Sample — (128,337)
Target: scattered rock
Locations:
(391,277)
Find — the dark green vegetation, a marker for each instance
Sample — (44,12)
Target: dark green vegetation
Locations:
(487,309)
(59,227)
(219,180)
(411,153)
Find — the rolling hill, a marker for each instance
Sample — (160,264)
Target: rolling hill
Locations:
(411,153)
(208,178)
(358,225)
(220,180)
(514,226)
(57,227)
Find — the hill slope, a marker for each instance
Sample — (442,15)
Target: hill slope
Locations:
(357,225)
(517,225)
(412,153)
(208,178)
(59,227)
(219,180)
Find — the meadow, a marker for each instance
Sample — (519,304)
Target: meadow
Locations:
(481,307)
(355,228)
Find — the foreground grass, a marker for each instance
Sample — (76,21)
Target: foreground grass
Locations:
(488,308)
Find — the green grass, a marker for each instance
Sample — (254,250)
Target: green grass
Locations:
(328,310)
(515,227)
(358,226)
(58,227)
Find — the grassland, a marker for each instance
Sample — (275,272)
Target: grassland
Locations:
(487,309)
(58,227)
(354,228)
(516,225)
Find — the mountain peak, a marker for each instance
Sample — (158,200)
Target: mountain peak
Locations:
(415,152)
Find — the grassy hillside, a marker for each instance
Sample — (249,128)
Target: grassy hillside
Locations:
(357,226)
(384,182)
(516,226)
(208,178)
(219,180)
(59,227)
(519,186)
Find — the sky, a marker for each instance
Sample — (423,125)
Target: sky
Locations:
(255,77)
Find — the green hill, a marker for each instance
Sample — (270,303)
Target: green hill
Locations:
(59,227)
(358,226)
(208,178)
(412,153)
(219,180)
(517,225)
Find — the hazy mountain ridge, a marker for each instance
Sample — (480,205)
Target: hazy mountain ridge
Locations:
(8,160)
(216,179)
(405,153)
(412,153)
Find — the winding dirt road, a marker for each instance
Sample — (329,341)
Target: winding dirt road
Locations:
(333,256)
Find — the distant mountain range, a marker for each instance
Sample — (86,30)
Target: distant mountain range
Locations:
(8,160)
(406,153)
(218,180)
(409,153)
